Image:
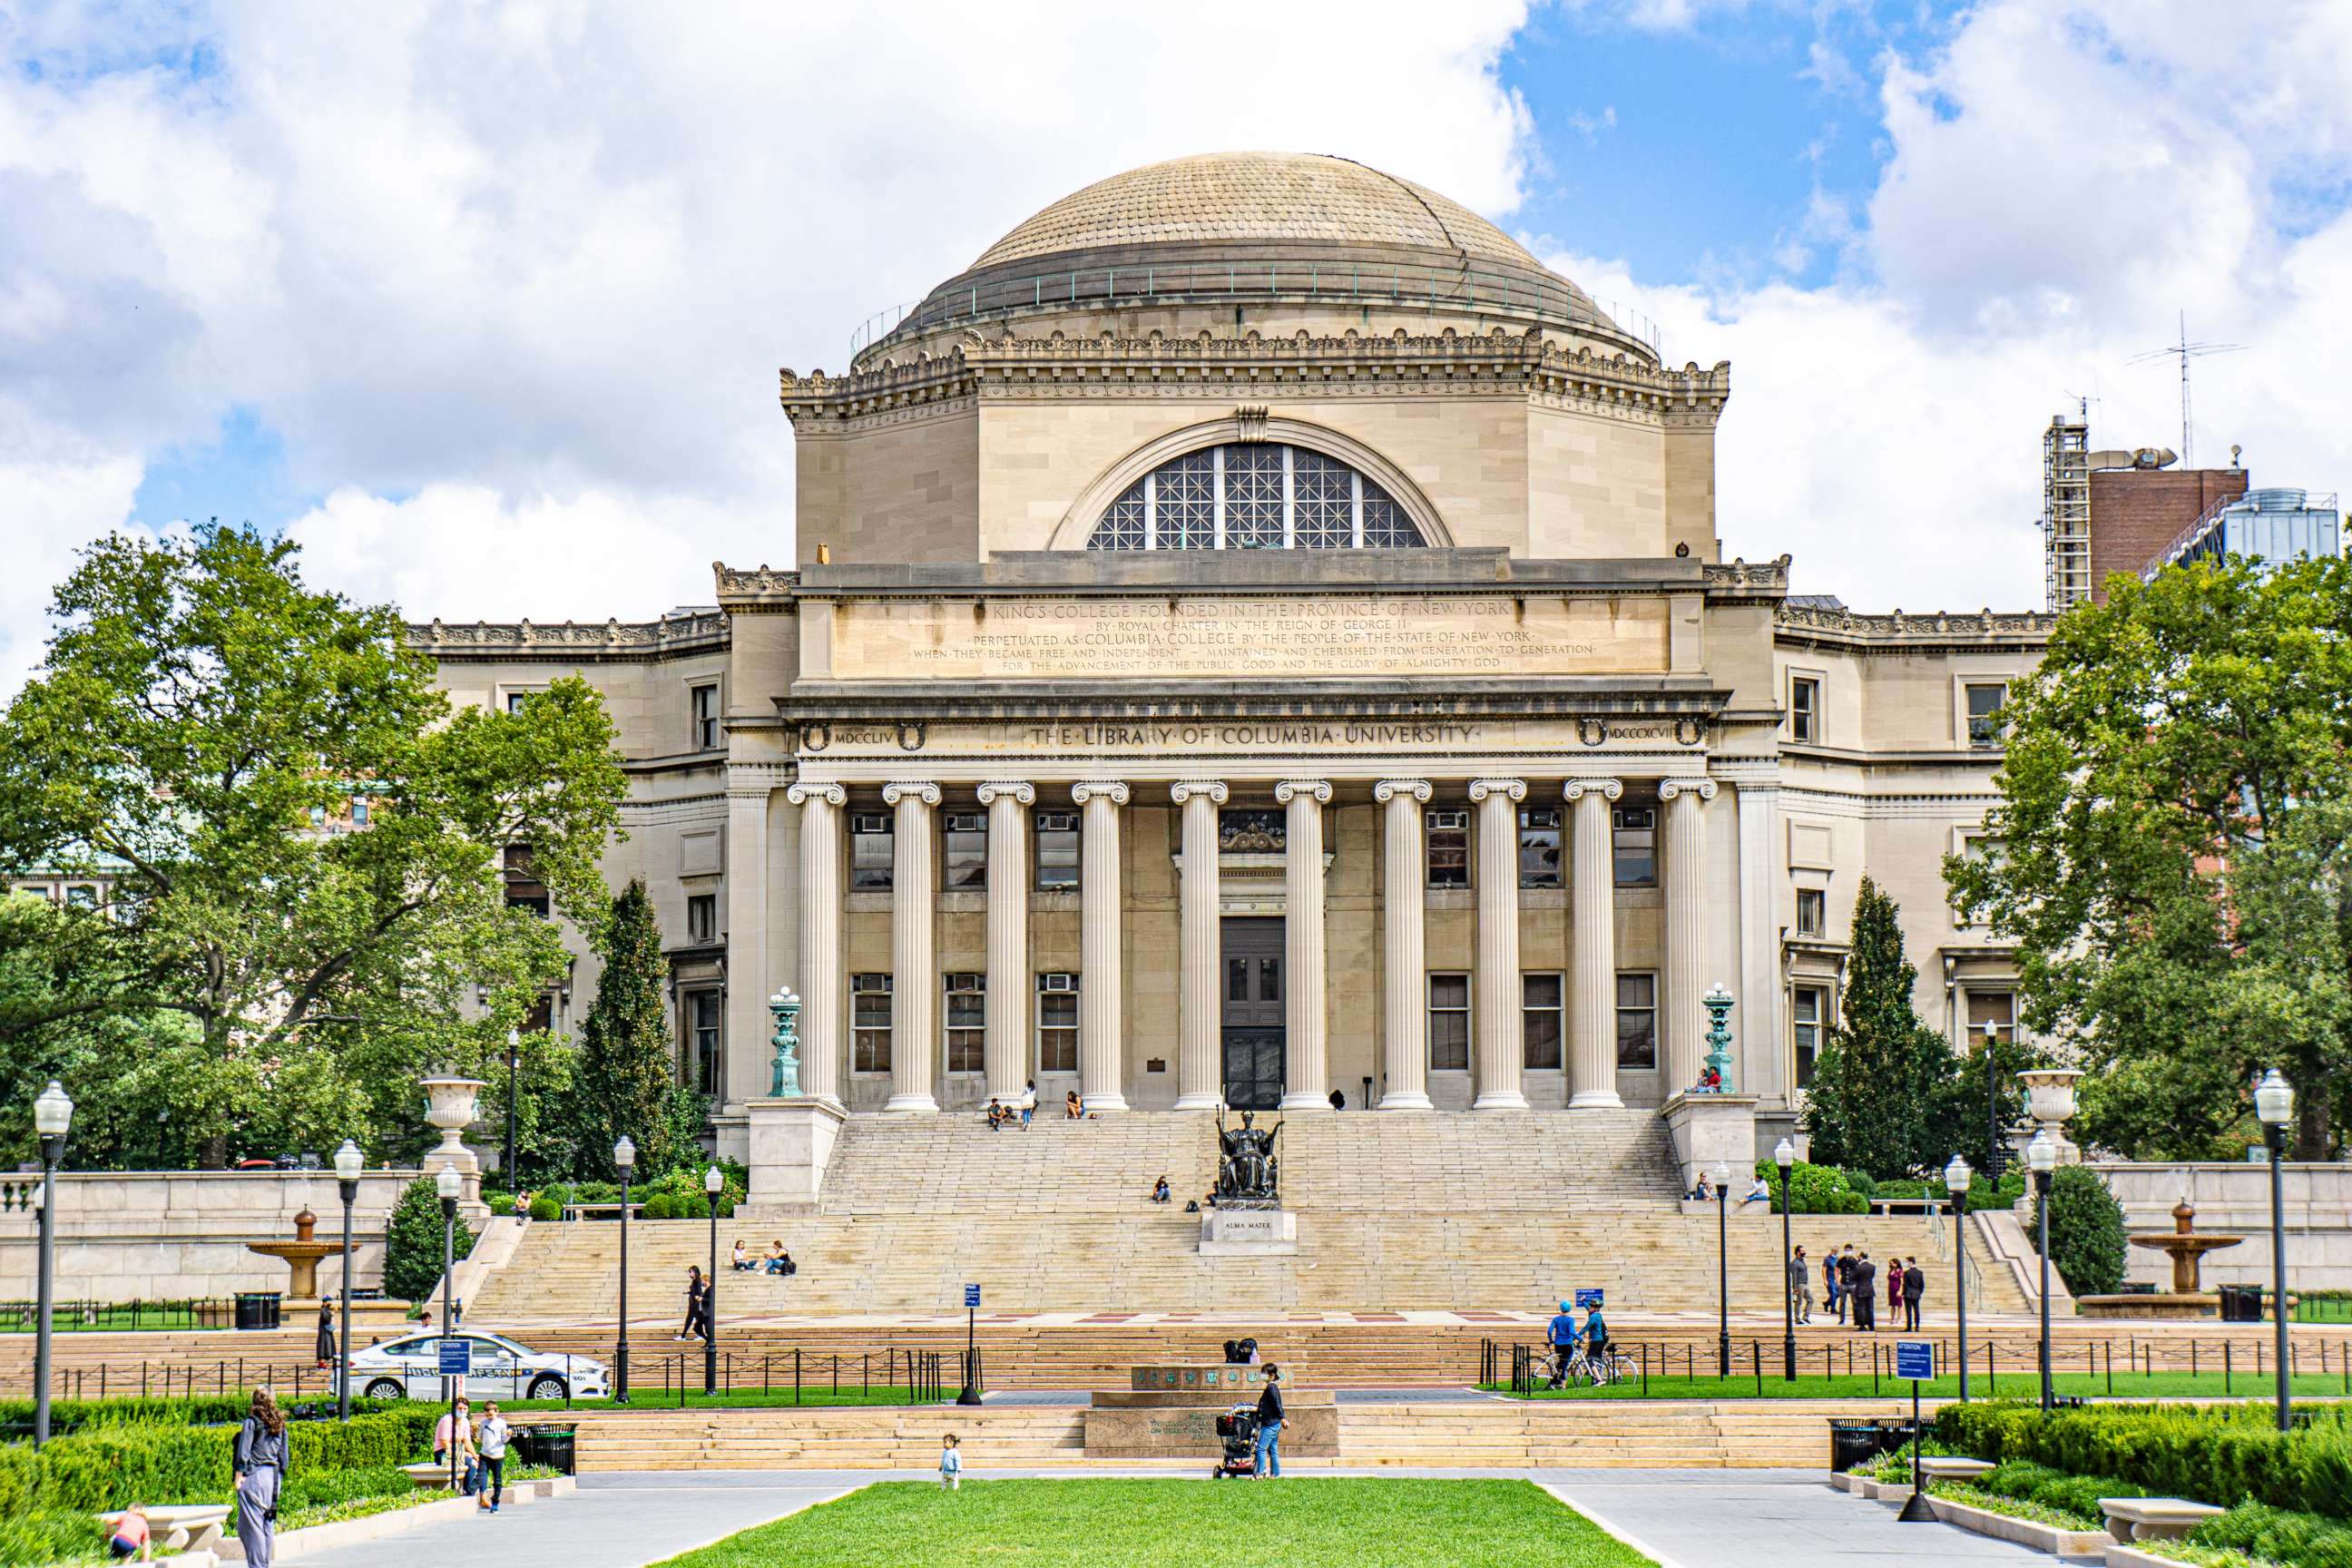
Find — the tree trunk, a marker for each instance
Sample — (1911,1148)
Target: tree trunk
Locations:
(2313,1123)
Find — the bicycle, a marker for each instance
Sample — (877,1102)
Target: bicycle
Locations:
(1613,1366)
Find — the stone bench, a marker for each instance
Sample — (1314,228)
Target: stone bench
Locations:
(428,1474)
(1945,1468)
(2131,1518)
(179,1527)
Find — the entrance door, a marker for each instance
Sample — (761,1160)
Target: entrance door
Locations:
(1252,1012)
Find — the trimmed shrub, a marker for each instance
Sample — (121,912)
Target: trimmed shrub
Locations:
(2086,1231)
(50,1535)
(1813,1189)
(412,1245)
(2218,1454)
(543,1208)
(103,1466)
(2281,1535)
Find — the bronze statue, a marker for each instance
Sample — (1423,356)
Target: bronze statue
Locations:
(1248,1173)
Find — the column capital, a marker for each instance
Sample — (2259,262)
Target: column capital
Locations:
(1669,788)
(1290,788)
(831,793)
(1387,790)
(1026,794)
(1214,788)
(1516,788)
(1111,791)
(927,793)
(1607,789)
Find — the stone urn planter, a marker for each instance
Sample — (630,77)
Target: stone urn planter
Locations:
(450,1105)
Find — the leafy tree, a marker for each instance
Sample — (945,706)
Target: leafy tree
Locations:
(412,1243)
(2086,1231)
(627,1077)
(196,737)
(2171,851)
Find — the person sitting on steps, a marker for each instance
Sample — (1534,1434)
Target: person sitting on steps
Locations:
(1073,1108)
(1159,1190)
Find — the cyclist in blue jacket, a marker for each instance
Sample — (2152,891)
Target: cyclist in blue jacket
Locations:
(1563,1336)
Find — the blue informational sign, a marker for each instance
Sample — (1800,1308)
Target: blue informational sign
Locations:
(1586,1300)
(1915,1358)
(972,1295)
(457,1357)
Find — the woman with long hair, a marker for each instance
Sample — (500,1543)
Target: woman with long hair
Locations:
(696,1296)
(260,1462)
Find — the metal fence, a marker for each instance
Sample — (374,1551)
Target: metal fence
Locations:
(917,1375)
(187,1312)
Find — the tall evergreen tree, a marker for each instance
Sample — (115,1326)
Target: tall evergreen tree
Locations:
(625,1071)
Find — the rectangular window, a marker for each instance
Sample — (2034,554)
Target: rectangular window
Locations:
(703,1041)
(1633,833)
(967,1021)
(1449,849)
(1540,848)
(515,699)
(1541,1000)
(1449,1023)
(1057,1023)
(81,896)
(524,889)
(1804,709)
(1808,1007)
(869,1022)
(1812,911)
(1057,850)
(871,849)
(359,813)
(966,846)
(1985,726)
(1998,1008)
(704,703)
(1637,1020)
(702,919)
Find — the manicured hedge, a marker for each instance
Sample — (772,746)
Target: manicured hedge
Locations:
(2279,1535)
(106,1467)
(200,1410)
(2218,1454)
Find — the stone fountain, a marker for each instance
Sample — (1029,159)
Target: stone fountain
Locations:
(302,1254)
(2185,1244)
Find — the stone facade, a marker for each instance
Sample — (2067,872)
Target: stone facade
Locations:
(1466,808)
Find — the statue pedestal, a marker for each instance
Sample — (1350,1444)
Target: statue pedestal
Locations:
(790,1143)
(1248,1233)
(1708,1129)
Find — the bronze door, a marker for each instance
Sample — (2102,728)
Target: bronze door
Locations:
(1252,981)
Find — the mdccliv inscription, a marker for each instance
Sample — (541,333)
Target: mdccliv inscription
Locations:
(1210,636)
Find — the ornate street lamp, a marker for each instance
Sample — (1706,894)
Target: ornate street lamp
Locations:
(52,1118)
(348,1163)
(2274,1107)
(711,1184)
(1956,1180)
(1718,1003)
(624,1159)
(1722,1173)
(1784,1154)
(514,1083)
(449,1183)
(786,1080)
(2042,1158)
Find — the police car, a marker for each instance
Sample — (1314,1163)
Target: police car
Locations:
(411,1368)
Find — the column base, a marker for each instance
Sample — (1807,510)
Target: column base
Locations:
(1304,1101)
(1595,1100)
(913,1104)
(1405,1100)
(1103,1102)
(1500,1100)
(1198,1102)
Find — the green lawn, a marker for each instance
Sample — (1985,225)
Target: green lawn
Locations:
(1304,1523)
(2242,1384)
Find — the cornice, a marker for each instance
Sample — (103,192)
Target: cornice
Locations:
(1899,632)
(702,631)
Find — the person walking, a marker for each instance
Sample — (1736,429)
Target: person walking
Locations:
(258,1460)
(1801,1286)
(1833,1294)
(698,1305)
(1915,1288)
(1269,1463)
(951,1462)
(324,1348)
(490,1443)
(1845,1286)
(1865,1294)
(1562,1337)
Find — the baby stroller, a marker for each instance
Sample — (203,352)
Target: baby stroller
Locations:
(1237,1430)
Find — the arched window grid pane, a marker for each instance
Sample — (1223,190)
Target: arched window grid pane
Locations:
(1254,496)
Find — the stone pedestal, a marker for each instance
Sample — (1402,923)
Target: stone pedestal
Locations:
(1248,1233)
(1711,1129)
(792,1142)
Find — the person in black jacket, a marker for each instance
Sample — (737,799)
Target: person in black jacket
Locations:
(1915,1286)
(1865,1294)
(1269,1424)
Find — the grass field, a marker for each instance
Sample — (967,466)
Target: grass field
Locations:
(2242,1384)
(1305,1523)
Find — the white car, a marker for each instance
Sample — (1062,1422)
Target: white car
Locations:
(411,1368)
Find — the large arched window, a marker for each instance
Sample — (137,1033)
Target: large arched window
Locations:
(1259,495)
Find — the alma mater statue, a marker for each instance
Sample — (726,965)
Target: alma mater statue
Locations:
(1248,1174)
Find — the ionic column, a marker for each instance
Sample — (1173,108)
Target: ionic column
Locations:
(1006,1048)
(1303,1012)
(1685,1018)
(1404,1019)
(1592,987)
(1100,1046)
(1498,1038)
(1200,1045)
(914,1043)
(823,1052)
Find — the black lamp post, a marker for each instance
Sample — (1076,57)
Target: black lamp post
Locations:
(449,1183)
(1992,1102)
(624,1158)
(711,1184)
(1722,1269)
(2041,1159)
(2275,1106)
(514,1082)
(348,1163)
(52,1116)
(1784,1155)
(1957,1178)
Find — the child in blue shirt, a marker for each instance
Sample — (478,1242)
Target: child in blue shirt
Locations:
(950,1463)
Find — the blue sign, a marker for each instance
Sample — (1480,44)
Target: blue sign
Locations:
(972,1295)
(1915,1358)
(457,1357)
(1587,1298)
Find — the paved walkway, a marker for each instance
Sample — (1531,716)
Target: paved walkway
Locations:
(1684,1518)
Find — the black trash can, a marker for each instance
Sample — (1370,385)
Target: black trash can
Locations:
(2250,1297)
(257,1309)
(1854,1442)
(548,1445)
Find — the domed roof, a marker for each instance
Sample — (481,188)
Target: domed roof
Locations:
(1255,197)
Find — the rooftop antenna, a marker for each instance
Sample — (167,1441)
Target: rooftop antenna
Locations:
(2185,351)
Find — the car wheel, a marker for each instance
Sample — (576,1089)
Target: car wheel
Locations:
(386,1388)
(546,1386)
